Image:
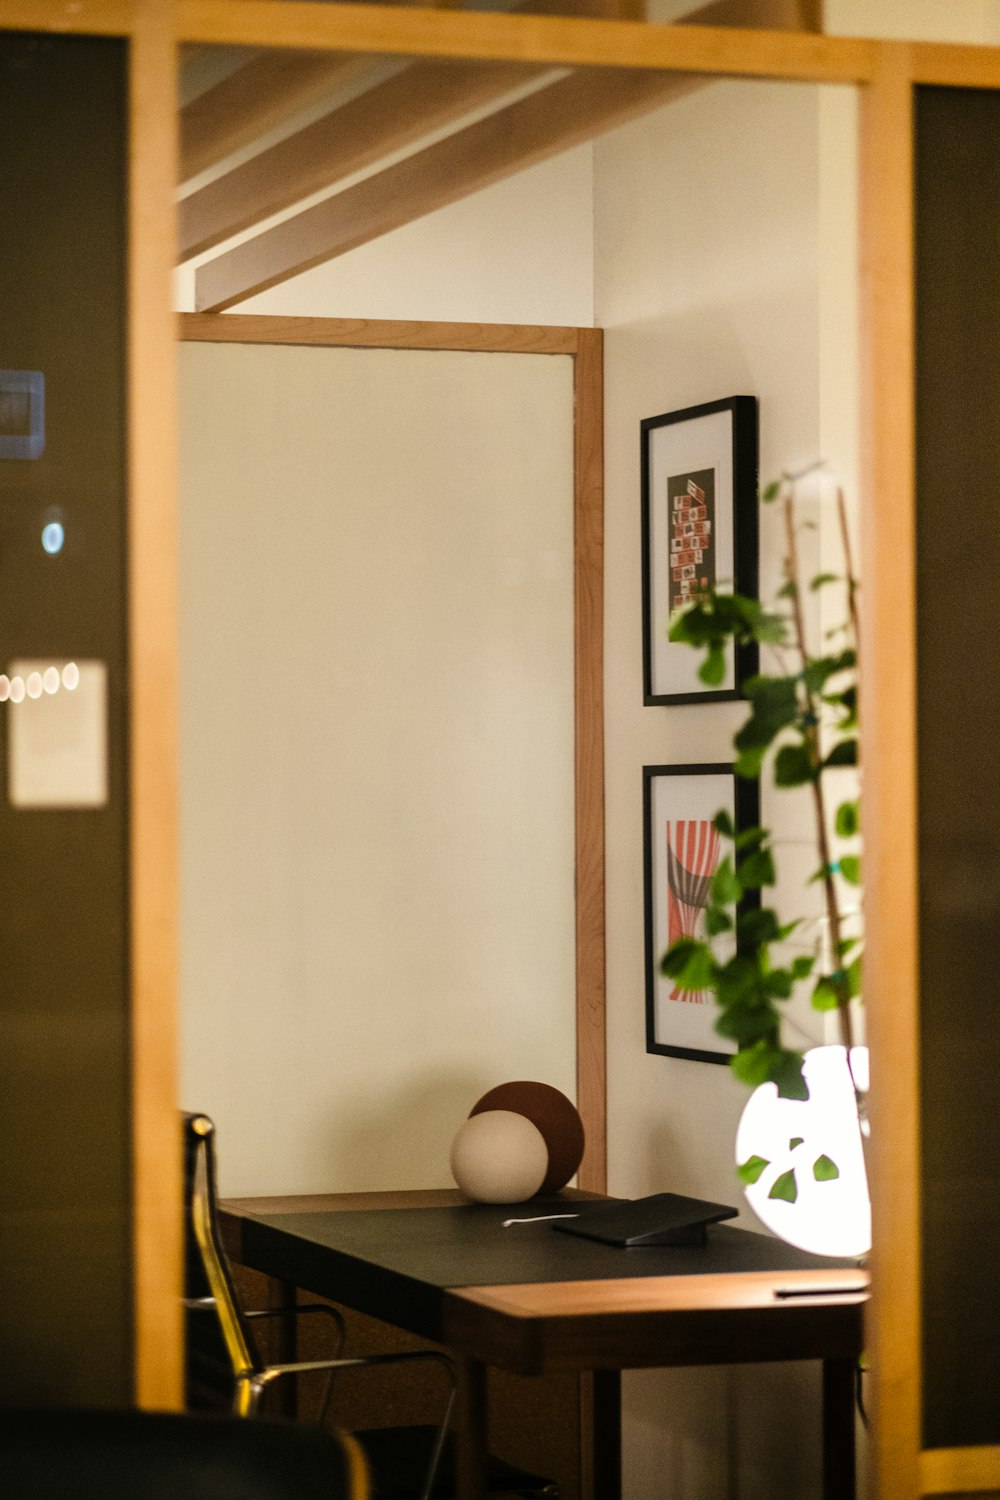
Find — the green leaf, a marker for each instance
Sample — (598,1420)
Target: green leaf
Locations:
(844,753)
(850,868)
(750,838)
(775,705)
(771,491)
(787,1074)
(748,763)
(713,669)
(785,1187)
(825,1170)
(849,703)
(679,955)
(691,969)
(854,978)
(752,1065)
(825,995)
(755,870)
(726,886)
(802,966)
(822,578)
(755,623)
(819,671)
(777,984)
(717,920)
(847,820)
(748,1025)
(793,766)
(757,926)
(789,589)
(796,1140)
(724,824)
(749,1171)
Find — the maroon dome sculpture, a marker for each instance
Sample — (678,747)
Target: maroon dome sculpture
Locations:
(552,1114)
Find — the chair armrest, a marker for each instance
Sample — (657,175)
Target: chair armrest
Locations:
(302,1308)
(361,1361)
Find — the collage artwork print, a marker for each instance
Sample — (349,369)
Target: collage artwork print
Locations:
(693,849)
(691,528)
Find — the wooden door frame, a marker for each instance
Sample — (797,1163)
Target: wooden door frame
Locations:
(584,346)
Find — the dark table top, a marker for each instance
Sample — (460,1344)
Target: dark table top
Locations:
(398,1263)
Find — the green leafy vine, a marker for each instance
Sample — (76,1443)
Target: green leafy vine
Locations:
(804,717)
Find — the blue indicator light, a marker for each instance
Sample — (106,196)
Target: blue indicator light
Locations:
(53,537)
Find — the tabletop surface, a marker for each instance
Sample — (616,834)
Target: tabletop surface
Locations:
(490,1245)
(398,1263)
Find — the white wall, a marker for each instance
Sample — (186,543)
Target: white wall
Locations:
(969,21)
(377,819)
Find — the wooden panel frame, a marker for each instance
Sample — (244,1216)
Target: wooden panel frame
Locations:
(888,709)
(149,27)
(585,346)
(152,605)
(888,72)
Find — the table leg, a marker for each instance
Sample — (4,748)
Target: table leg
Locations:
(600,1435)
(472,1437)
(839,1478)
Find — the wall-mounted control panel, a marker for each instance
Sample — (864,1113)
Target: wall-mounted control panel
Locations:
(22,413)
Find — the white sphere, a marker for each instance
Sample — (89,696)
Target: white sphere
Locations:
(499,1157)
(789,1135)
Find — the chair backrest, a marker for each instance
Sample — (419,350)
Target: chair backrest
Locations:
(207,1273)
(140,1455)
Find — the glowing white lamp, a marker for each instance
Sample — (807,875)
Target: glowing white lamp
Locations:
(810,1186)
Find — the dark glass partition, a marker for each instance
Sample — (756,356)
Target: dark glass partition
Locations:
(64,1161)
(958,566)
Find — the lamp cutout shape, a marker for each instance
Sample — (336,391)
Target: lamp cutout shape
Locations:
(802,1161)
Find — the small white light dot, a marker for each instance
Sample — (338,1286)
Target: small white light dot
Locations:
(33,686)
(50,679)
(53,537)
(16,690)
(70,675)
(4,687)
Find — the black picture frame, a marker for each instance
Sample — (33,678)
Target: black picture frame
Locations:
(699,463)
(700,791)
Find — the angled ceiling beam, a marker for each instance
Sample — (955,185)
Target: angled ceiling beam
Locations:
(385,118)
(554,119)
(426,96)
(267,90)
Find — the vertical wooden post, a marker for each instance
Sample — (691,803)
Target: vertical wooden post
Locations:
(888,713)
(588,549)
(152,589)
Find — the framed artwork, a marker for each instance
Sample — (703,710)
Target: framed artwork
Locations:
(682,851)
(699,531)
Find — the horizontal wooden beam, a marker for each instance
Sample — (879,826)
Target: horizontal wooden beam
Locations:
(376,333)
(524,38)
(960,1471)
(554,119)
(93,18)
(385,118)
(263,93)
(955,67)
